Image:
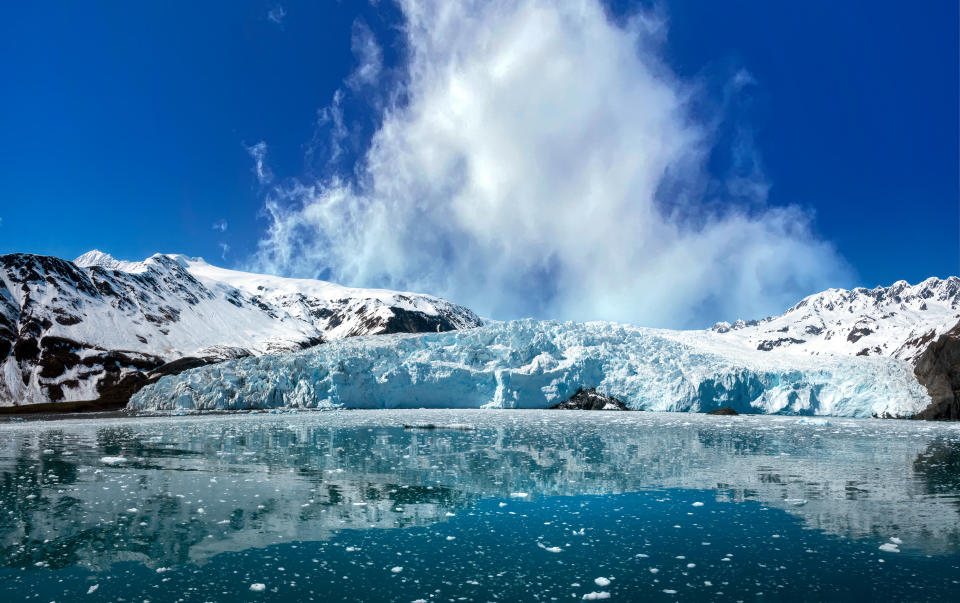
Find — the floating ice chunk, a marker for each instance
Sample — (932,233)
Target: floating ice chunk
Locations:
(113,460)
(519,494)
(93,589)
(550,549)
(698,504)
(889,547)
(258,587)
(811,421)
(896,540)
(396,569)
(601,581)
(596,596)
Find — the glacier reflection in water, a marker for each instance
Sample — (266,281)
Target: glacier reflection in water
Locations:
(225,497)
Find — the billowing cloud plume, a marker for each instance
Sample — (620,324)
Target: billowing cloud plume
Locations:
(543,161)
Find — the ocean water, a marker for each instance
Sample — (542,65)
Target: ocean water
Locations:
(481,506)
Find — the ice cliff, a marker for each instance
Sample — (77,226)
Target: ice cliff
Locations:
(534,364)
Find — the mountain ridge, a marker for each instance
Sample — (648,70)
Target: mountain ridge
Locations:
(96,328)
(897,320)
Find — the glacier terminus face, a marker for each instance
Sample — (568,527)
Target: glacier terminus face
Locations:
(537,364)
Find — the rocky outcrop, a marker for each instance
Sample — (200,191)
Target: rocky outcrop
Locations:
(726,410)
(589,399)
(938,369)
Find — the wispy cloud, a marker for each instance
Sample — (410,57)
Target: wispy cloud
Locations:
(220,225)
(368,56)
(545,161)
(259,154)
(330,120)
(224,249)
(276,14)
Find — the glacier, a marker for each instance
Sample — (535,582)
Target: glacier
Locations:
(537,364)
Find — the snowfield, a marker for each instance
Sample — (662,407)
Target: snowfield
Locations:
(536,364)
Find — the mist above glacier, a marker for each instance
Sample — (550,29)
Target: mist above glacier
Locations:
(542,160)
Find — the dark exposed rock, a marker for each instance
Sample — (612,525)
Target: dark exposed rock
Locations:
(726,410)
(410,321)
(857,333)
(58,354)
(310,342)
(589,399)
(766,346)
(938,369)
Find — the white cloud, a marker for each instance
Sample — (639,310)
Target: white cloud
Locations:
(224,249)
(331,118)
(259,154)
(545,162)
(368,55)
(220,225)
(276,14)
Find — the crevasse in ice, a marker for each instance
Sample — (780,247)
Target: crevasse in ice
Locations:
(536,364)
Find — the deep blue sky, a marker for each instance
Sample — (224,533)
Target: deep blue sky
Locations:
(124,123)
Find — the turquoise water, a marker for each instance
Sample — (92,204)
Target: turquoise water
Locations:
(492,505)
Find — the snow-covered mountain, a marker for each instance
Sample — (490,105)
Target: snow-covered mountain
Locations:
(898,321)
(918,324)
(98,328)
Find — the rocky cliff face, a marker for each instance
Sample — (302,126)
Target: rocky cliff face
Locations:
(99,329)
(938,369)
